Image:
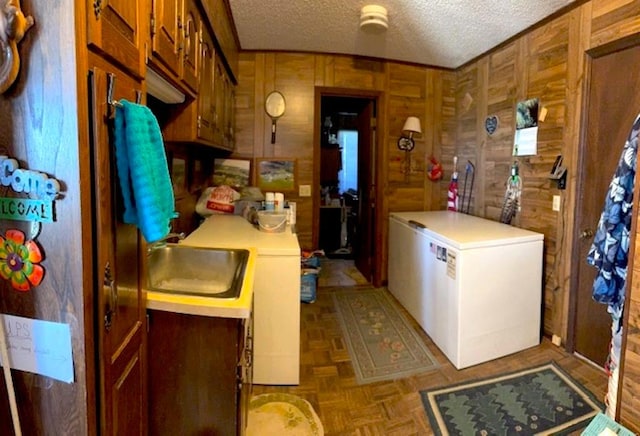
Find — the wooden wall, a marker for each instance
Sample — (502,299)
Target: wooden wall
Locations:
(40,123)
(408,90)
(547,62)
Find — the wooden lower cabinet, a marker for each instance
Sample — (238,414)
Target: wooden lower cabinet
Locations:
(199,374)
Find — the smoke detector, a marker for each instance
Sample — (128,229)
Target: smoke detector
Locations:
(373,19)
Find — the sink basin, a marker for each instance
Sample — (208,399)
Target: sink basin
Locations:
(210,272)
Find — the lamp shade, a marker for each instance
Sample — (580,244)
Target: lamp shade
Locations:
(412,125)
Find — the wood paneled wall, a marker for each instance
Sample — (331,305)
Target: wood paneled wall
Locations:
(547,62)
(408,90)
(40,120)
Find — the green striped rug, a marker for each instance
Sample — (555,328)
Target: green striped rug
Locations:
(381,341)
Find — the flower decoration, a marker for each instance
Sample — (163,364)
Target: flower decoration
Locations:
(19,260)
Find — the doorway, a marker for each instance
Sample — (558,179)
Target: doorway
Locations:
(347,177)
(612,104)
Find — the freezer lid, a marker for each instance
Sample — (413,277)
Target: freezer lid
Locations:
(465,231)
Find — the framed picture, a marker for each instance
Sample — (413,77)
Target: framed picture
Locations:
(231,172)
(276,174)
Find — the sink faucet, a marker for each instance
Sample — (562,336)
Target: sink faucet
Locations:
(163,241)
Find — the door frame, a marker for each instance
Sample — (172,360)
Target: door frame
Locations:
(590,55)
(379,175)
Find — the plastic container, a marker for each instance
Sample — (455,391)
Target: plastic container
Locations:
(269,201)
(272,222)
(279,202)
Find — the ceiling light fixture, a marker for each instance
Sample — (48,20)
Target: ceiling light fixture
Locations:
(373,19)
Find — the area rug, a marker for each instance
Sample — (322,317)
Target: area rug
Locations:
(543,400)
(282,414)
(381,342)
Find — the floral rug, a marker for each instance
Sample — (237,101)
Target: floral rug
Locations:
(538,401)
(381,342)
(282,414)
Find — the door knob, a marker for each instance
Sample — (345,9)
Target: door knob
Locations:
(587,233)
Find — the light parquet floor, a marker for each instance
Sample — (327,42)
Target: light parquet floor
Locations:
(390,408)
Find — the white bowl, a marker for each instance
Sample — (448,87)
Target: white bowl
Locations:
(272,222)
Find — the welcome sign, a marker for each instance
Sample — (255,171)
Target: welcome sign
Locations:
(41,189)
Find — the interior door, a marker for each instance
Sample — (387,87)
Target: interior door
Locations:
(118,298)
(613,102)
(364,237)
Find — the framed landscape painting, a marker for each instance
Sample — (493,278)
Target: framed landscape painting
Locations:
(276,174)
(231,172)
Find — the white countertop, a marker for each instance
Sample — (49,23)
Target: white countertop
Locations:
(234,231)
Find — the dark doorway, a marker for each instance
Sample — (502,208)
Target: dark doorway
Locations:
(347,179)
(612,103)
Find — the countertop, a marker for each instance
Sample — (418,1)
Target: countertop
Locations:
(233,231)
(227,231)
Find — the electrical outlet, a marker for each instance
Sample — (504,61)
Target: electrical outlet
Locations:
(304,191)
(556,203)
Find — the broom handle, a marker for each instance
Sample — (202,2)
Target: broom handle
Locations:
(6,369)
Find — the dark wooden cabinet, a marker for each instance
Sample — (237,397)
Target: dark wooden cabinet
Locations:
(118,30)
(199,374)
(120,307)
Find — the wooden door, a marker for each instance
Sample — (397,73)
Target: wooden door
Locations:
(205,94)
(364,246)
(118,298)
(116,29)
(166,34)
(191,46)
(613,102)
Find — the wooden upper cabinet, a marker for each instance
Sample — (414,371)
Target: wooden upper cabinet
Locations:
(117,30)
(191,48)
(166,35)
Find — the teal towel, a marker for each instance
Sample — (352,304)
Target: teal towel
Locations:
(143,172)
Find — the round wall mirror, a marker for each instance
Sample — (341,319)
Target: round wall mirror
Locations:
(274,106)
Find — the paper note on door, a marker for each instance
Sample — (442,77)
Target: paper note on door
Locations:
(451,264)
(40,347)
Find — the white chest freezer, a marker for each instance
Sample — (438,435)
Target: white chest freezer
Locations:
(474,285)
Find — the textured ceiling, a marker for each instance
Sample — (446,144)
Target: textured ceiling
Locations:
(444,33)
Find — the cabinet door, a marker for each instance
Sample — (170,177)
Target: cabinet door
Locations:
(116,28)
(191,48)
(205,94)
(119,302)
(166,34)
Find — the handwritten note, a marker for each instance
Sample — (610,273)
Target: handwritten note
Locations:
(39,347)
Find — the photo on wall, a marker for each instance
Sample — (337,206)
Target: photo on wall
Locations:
(276,174)
(231,172)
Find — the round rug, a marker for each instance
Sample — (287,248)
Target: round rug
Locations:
(283,415)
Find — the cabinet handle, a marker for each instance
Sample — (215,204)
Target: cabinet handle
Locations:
(109,287)
(97,8)
(187,38)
